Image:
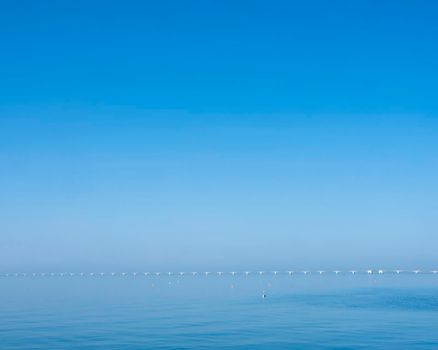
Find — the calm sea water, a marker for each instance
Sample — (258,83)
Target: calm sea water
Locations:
(301,312)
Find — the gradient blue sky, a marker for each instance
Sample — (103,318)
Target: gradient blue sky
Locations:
(228,134)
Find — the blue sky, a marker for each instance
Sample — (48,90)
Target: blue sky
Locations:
(175,135)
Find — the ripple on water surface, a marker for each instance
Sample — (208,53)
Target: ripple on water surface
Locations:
(226,312)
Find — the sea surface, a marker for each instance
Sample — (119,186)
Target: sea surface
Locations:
(219,312)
